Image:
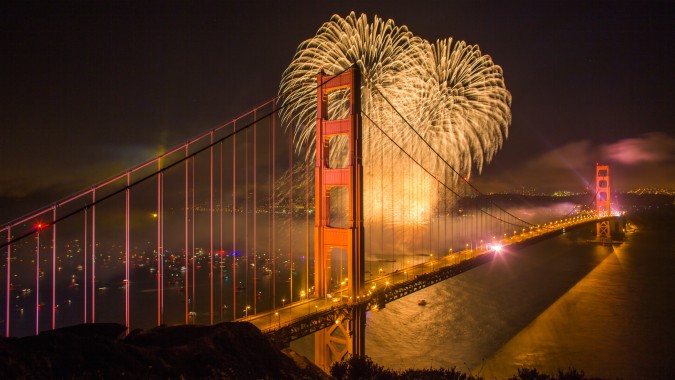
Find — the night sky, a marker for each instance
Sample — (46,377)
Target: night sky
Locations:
(89,89)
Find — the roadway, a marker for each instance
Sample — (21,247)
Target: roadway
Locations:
(305,308)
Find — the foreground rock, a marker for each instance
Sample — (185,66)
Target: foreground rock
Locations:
(224,351)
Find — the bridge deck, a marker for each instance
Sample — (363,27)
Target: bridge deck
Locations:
(307,316)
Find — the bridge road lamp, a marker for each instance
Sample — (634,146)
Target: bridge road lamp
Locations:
(431,260)
(302,296)
(246,311)
(341,292)
(276,313)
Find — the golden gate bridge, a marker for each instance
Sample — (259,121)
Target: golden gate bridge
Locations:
(240,223)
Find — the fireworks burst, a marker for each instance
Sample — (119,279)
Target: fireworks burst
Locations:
(450,93)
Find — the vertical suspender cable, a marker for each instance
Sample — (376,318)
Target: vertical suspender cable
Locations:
(290,213)
(160,215)
(246,221)
(438,222)
(187,262)
(393,218)
(416,234)
(54,269)
(127,284)
(481,235)
(9,282)
(234,224)
(407,191)
(194,253)
(445,221)
(452,218)
(467,235)
(429,194)
(273,253)
(37,281)
(307,227)
(86,252)
(465,219)
(269,221)
(220,267)
(211,227)
(371,202)
(479,219)
(246,251)
(381,206)
(93,256)
(255,213)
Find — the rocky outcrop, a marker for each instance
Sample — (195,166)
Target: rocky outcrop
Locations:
(235,350)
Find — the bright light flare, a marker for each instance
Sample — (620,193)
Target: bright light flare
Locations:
(497,248)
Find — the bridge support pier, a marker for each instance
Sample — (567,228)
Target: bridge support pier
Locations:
(346,336)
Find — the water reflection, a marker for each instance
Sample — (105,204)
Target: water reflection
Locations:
(556,304)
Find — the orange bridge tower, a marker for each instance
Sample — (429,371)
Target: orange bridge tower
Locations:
(602,201)
(347,336)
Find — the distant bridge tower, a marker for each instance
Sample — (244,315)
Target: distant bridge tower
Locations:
(345,337)
(602,201)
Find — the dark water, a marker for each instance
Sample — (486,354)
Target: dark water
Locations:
(609,311)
